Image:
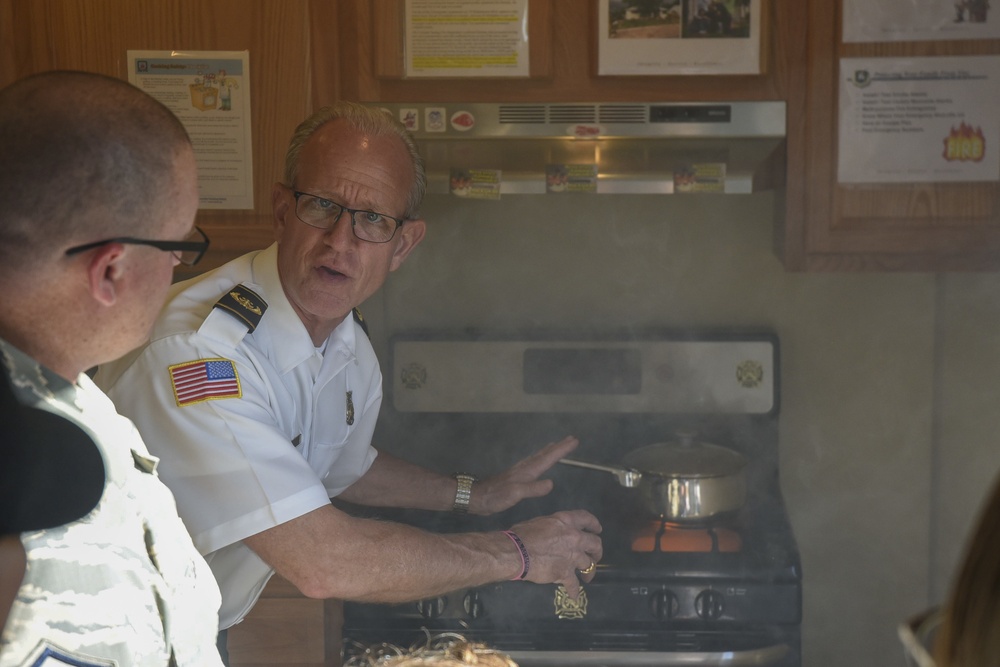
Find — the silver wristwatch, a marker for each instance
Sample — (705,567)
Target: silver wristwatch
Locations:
(464,492)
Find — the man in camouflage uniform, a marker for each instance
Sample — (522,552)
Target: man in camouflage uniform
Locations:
(98,195)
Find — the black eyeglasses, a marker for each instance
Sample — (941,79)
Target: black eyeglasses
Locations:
(189,251)
(323,213)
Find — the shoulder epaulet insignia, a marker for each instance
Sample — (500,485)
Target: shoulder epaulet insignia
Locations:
(244,304)
(361,321)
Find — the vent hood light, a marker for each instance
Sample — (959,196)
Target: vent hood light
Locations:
(637,147)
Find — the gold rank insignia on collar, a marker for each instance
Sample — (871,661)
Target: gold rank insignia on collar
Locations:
(244,304)
(361,321)
(350,408)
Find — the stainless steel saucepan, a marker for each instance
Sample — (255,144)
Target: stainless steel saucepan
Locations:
(684,481)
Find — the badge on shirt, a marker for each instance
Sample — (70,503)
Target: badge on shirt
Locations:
(204,380)
(350,408)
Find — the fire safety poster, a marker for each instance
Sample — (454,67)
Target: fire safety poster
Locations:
(912,120)
(210,92)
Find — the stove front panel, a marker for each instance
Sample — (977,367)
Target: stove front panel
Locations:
(667,376)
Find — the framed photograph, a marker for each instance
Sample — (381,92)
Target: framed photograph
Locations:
(658,37)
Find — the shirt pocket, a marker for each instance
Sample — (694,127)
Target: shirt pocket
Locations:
(322,456)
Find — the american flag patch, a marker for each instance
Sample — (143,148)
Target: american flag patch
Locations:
(204,380)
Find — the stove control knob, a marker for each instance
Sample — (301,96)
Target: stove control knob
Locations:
(709,605)
(663,604)
(473,605)
(431,607)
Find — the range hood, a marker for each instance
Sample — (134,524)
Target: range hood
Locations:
(638,148)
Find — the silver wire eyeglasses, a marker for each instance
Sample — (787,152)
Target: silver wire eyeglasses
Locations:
(188,251)
(323,213)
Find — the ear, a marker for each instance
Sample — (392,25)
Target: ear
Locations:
(410,235)
(105,272)
(281,202)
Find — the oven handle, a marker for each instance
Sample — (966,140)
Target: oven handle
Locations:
(760,657)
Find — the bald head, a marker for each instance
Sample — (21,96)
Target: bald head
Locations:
(82,157)
(368,120)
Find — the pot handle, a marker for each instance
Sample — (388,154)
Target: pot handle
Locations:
(627,477)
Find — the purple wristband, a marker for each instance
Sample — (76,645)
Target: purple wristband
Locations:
(525,558)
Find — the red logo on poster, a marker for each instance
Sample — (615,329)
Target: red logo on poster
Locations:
(965,144)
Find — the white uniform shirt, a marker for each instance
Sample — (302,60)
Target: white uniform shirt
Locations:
(241,465)
(123,585)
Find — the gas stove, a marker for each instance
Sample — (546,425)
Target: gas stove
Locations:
(726,590)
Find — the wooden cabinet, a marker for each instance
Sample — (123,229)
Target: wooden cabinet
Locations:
(285,628)
(905,227)
(563,61)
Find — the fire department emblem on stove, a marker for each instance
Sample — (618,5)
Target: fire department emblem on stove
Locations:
(750,374)
(567,607)
(413,376)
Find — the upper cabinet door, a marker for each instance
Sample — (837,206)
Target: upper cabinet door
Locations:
(563,59)
(833,226)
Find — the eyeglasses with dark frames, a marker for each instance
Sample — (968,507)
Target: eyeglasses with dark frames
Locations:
(189,251)
(323,213)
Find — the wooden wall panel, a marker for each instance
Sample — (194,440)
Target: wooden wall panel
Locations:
(280,632)
(95,35)
(286,628)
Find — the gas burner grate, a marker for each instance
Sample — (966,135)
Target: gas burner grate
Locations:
(665,537)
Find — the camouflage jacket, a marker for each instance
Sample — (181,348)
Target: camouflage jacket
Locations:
(124,584)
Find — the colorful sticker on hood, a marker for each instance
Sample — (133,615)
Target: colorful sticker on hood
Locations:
(410,118)
(463,121)
(585,131)
(434,119)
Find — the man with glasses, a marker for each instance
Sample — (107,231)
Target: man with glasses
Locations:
(98,193)
(254,453)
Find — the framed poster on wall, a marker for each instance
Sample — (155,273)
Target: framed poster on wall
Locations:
(919,120)
(466,38)
(209,91)
(658,37)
